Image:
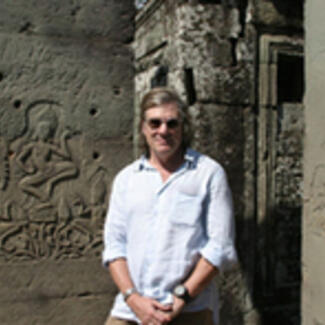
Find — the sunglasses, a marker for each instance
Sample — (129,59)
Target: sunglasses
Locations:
(155,123)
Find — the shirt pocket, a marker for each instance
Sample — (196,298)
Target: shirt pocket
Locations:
(186,209)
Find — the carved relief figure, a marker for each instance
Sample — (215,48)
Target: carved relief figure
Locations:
(45,162)
(54,214)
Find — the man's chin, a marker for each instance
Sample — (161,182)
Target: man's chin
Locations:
(167,154)
(164,148)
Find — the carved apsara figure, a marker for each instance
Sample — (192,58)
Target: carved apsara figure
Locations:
(45,162)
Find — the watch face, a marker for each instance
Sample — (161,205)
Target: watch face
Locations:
(179,290)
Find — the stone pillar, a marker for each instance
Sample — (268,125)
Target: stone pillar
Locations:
(205,51)
(313,291)
(66,98)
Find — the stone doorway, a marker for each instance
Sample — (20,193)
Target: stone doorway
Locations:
(279,179)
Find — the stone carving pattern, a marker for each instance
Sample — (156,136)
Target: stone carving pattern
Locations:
(39,218)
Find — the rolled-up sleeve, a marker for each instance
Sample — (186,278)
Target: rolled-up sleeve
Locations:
(115,223)
(220,247)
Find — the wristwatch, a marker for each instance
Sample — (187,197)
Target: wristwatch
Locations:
(127,293)
(180,291)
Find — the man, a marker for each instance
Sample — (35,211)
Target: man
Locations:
(169,229)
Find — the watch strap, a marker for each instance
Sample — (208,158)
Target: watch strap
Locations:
(185,295)
(127,293)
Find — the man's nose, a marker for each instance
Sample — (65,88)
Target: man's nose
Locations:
(163,128)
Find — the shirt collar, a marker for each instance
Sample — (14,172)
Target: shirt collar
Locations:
(191,158)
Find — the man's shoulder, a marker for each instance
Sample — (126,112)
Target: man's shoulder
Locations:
(203,161)
(210,170)
(128,170)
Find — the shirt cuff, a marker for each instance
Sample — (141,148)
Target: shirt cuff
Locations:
(222,257)
(110,255)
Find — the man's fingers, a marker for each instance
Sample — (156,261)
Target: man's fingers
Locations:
(162,317)
(162,307)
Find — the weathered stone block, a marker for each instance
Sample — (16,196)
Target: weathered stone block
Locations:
(72,311)
(81,80)
(47,280)
(151,31)
(99,19)
(219,133)
(233,85)
(55,292)
(279,13)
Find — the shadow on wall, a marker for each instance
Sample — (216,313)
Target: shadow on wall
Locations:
(269,301)
(265,288)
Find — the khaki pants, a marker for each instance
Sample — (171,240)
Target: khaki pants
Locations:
(203,317)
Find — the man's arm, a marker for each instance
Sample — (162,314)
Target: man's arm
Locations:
(201,276)
(120,274)
(148,310)
(219,252)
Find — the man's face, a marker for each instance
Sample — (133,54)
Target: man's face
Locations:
(163,131)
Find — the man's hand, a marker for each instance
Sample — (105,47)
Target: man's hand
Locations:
(149,311)
(177,307)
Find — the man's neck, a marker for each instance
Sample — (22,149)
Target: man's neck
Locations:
(167,165)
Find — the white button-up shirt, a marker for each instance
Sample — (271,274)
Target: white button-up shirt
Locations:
(163,228)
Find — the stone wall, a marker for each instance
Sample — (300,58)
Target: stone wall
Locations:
(313,289)
(224,58)
(66,98)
